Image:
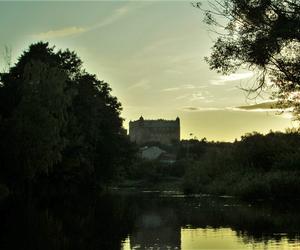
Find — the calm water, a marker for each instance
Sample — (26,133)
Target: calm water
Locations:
(148,220)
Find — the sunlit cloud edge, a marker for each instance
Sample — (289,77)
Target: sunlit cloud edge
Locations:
(75,30)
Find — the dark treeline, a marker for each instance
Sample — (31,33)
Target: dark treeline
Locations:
(60,127)
(257,166)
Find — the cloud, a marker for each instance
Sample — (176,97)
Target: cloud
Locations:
(117,14)
(204,96)
(183,87)
(197,96)
(260,107)
(144,84)
(268,106)
(190,108)
(231,78)
(204,109)
(170,89)
(68,31)
(201,109)
(182,97)
(74,30)
(190,86)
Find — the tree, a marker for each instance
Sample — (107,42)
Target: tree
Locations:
(263,35)
(40,118)
(58,122)
(35,116)
(95,132)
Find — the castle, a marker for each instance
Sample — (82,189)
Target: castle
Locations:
(163,131)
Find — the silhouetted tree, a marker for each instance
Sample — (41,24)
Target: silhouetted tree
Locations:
(262,35)
(58,122)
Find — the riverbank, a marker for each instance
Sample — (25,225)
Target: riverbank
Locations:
(274,185)
(213,180)
(164,184)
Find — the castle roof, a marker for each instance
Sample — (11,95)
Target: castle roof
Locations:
(156,123)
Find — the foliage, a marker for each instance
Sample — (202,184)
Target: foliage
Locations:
(148,170)
(262,35)
(58,122)
(257,166)
(191,149)
(273,151)
(216,162)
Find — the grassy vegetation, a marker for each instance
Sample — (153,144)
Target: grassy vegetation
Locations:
(256,167)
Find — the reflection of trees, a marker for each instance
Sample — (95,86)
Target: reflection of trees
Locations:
(259,222)
(73,224)
(103,223)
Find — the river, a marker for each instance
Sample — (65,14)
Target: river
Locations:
(148,220)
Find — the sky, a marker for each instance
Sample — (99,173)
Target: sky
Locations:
(152,55)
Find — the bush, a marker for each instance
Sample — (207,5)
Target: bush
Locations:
(147,170)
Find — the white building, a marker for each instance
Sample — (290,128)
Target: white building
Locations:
(151,153)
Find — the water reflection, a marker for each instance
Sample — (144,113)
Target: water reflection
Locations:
(224,238)
(148,221)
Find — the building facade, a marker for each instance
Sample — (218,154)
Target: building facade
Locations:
(163,131)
